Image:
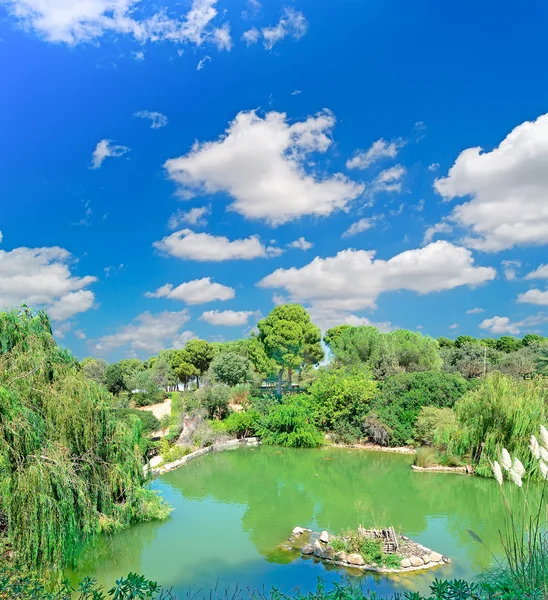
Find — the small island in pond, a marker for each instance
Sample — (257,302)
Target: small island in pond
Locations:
(378,550)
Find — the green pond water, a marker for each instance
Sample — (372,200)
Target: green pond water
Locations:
(232,509)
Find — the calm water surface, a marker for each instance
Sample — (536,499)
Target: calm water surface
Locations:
(232,509)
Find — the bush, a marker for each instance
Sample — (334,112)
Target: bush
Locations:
(242,424)
(341,395)
(400,398)
(214,399)
(172,452)
(431,423)
(240,394)
(230,368)
(149,422)
(426,457)
(289,424)
(376,431)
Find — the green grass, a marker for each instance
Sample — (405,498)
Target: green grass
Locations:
(351,542)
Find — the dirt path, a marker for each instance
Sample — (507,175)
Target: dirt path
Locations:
(159,410)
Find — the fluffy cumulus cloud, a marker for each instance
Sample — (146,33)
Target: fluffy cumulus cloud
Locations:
(534,296)
(187,244)
(300,244)
(76,21)
(507,187)
(106,149)
(42,277)
(540,273)
(326,317)
(292,23)
(509,269)
(227,318)
(194,216)
(378,150)
(197,291)
(432,231)
(157,119)
(149,332)
(260,162)
(503,325)
(389,180)
(359,226)
(353,279)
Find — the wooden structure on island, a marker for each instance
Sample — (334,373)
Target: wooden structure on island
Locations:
(388,537)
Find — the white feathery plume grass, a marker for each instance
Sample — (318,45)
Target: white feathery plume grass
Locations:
(544,436)
(544,469)
(544,454)
(517,472)
(535,448)
(506,460)
(497,472)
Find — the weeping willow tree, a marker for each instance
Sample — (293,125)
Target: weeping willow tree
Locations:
(68,467)
(503,412)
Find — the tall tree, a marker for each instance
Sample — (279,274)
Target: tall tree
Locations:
(183,370)
(230,368)
(94,368)
(114,378)
(290,339)
(332,335)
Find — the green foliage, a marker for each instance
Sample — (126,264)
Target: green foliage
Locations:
(162,372)
(501,413)
(290,338)
(444,342)
(114,379)
(243,423)
(199,354)
(386,353)
(332,335)
(172,452)
(341,395)
(94,368)
(149,422)
(214,399)
(507,344)
(402,396)
(426,457)
(67,464)
(352,542)
(289,424)
(466,340)
(431,423)
(230,368)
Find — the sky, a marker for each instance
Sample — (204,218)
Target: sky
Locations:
(172,170)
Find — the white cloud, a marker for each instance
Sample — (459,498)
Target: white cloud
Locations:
(434,167)
(499,325)
(534,296)
(221,38)
(540,273)
(389,180)
(80,334)
(260,163)
(195,217)
(353,279)
(148,332)
(419,207)
(359,226)
(202,62)
(278,299)
(226,318)
(475,311)
(378,150)
(62,330)
(42,277)
(432,231)
(292,23)
(105,149)
(509,268)
(296,92)
(301,244)
(326,318)
(157,119)
(454,326)
(197,291)
(139,56)
(251,36)
(187,244)
(1,237)
(77,21)
(508,188)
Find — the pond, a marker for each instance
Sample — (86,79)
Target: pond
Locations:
(232,509)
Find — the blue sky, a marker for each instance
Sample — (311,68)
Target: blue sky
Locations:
(171,170)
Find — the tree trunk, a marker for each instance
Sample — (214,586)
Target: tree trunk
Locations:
(289,376)
(279,384)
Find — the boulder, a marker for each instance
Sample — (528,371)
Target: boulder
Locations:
(446,559)
(297,531)
(324,537)
(341,556)
(426,559)
(308,549)
(317,549)
(328,553)
(435,557)
(405,563)
(416,561)
(355,559)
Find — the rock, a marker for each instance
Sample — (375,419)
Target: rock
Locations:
(317,549)
(405,563)
(355,559)
(328,553)
(435,557)
(308,549)
(341,556)
(416,561)
(324,537)
(446,559)
(297,531)
(426,559)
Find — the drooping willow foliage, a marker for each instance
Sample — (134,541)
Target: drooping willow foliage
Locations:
(68,467)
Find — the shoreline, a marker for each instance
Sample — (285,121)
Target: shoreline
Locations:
(376,448)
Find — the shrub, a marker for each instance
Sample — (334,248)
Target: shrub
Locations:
(230,368)
(341,395)
(149,422)
(242,424)
(172,452)
(376,431)
(431,423)
(214,399)
(290,424)
(426,457)
(240,394)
